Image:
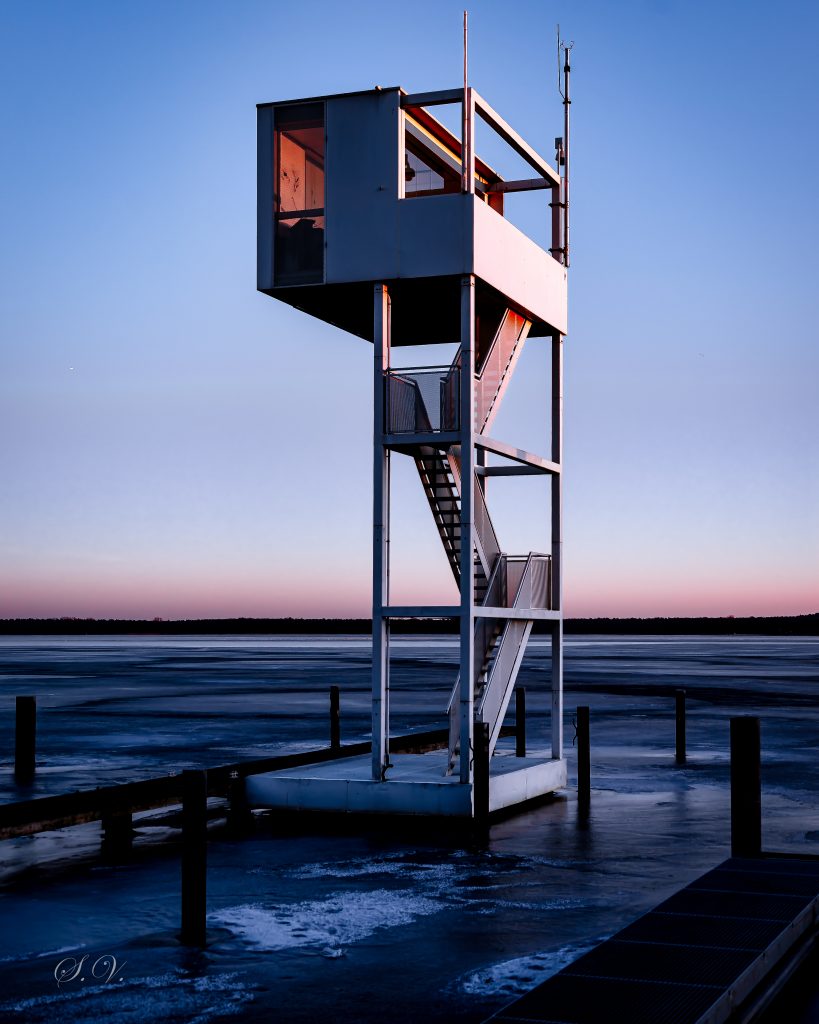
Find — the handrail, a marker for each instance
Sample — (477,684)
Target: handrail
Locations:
(497,365)
(486,540)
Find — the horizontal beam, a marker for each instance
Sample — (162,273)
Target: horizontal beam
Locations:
(507,451)
(508,134)
(433,438)
(422,611)
(432,99)
(508,471)
(528,614)
(296,214)
(520,185)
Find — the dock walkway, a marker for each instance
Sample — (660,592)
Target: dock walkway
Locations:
(715,951)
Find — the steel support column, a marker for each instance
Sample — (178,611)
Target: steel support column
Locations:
(557,545)
(381,538)
(467,567)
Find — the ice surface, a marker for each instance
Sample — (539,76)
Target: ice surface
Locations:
(184,1000)
(303,923)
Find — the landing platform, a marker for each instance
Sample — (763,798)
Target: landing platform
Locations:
(416,784)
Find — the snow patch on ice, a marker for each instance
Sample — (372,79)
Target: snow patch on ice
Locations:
(514,977)
(332,923)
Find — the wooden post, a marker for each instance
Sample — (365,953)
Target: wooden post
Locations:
(680,698)
(240,817)
(25,739)
(480,785)
(117,834)
(746,788)
(194,856)
(335,719)
(583,756)
(520,721)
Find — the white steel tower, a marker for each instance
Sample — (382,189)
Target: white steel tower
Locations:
(375,217)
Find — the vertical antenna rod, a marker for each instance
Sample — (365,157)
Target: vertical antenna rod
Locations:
(566,105)
(465,110)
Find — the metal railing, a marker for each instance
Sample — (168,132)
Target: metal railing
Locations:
(495,365)
(422,399)
(529,578)
(487,540)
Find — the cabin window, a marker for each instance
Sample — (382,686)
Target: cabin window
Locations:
(428,171)
(299,194)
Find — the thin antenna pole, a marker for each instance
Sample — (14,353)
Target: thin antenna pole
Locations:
(465,109)
(566,104)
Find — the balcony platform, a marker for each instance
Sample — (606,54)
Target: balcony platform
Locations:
(416,784)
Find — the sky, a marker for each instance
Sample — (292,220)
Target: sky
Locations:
(175,444)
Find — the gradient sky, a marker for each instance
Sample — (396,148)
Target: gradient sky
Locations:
(175,444)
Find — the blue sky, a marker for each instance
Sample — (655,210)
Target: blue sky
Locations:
(176,444)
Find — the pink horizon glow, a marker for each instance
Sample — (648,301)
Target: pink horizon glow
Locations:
(220,597)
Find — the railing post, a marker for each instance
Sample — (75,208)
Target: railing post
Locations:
(117,834)
(25,739)
(520,721)
(746,788)
(480,784)
(680,702)
(194,856)
(335,718)
(583,756)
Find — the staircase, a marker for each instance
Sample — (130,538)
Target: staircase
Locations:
(440,474)
(500,580)
(500,645)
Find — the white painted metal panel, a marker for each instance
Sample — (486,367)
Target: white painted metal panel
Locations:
(416,785)
(361,187)
(509,261)
(435,236)
(532,781)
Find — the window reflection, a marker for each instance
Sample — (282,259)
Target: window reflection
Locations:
(427,172)
(299,194)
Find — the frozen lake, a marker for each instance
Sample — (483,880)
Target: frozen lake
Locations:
(373,925)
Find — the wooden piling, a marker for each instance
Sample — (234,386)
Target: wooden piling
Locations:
(680,701)
(117,834)
(583,756)
(520,721)
(194,856)
(746,787)
(25,739)
(480,784)
(239,817)
(335,718)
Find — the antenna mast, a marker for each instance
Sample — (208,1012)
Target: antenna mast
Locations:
(562,145)
(566,104)
(465,140)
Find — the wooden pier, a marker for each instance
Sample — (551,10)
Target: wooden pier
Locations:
(717,951)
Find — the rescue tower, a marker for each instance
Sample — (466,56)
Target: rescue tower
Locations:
(375,217)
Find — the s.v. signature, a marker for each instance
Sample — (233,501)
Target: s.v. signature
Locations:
(105,968)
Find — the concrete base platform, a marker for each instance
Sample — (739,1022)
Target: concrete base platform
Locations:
(416,784)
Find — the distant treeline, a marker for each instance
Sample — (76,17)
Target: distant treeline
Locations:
(778,625)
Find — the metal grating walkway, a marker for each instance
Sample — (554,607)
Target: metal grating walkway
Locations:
(694,959)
